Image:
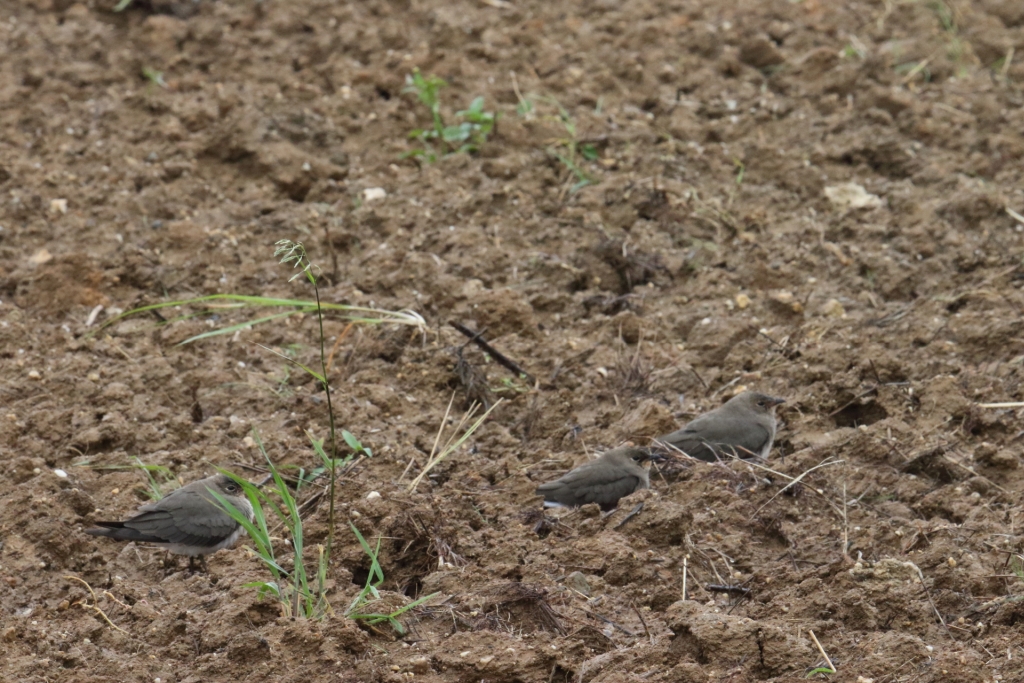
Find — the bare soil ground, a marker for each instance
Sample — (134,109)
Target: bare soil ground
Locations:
(711,251)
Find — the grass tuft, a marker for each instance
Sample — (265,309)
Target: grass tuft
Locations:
(294,590)
(442,139)
(361,605)
(569,150)
(454,441)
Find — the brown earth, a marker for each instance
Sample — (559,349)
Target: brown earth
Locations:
(711,252)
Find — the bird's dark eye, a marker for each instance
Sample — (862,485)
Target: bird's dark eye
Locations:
(760,403)
(231,488)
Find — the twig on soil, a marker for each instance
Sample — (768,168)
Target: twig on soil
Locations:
(822,651)
(473,381)
(93,315)
(308,505)
(1011,404)
(477,338)
(918,68)
(861,395)
(337,342)
(94,607)
(455,440)
(726,386)
(686,561)
(975,474)
(928,594)
(632,513)
(111,596)
(1013,214)
(795,481)
(731,590)
(846,525)
(642,621)
(610,622)
(407,468)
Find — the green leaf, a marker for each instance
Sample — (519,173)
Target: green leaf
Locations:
(458,133)
(525,108)
(354,443)
(589,152)
(264,588)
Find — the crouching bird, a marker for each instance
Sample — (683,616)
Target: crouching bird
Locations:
(187,521)
(743,427)
(604,480)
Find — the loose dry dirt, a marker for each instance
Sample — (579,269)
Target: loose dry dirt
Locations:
(712,251)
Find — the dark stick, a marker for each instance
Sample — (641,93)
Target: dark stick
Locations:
(477,338)
(855,399)
(700,379)
(610,622)
(642,620)
(633,513)
(731,590)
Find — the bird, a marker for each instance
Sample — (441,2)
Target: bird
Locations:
(604,480)
(743,427)
(188,521)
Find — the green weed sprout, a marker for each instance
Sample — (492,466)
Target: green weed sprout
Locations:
(440,139)
(153,76)
(568,150)
(297,593)
(296,590)
(295,254)
(357,610)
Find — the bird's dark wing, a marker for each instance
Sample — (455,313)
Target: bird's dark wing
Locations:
(751,440)
(186,518)
(709,439)
(586,484)
(118,531)
(190,518)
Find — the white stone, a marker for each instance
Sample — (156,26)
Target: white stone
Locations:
(371,194)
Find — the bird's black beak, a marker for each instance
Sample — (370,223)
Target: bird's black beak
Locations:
(778,401)
(653,456)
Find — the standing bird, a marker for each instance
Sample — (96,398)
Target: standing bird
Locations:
(743,427)
(617,473)
(187,521)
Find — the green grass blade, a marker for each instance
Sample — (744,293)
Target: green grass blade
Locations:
(264,548)
(234,328)
(415,603)
(315,374)
(374,565)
